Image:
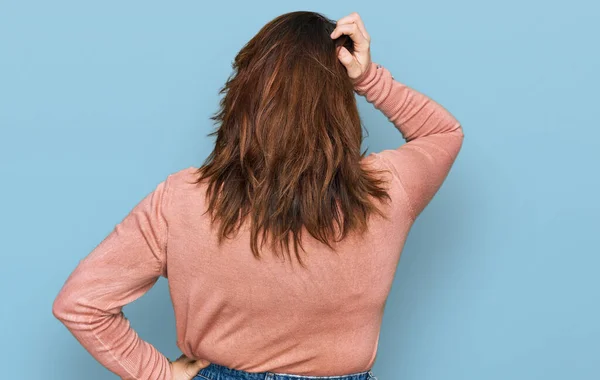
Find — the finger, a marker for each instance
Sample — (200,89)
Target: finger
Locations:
(349,61)
(349,23)
(201,363)
(346,57)
(354,17)
(185,359)
(360,42)
(195,366)
(348,29)
(192,368)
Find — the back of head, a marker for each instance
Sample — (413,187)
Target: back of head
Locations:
(287,152)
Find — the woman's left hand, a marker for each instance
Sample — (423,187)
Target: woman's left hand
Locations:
(185,368)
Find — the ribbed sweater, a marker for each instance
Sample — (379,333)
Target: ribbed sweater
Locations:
(267,315)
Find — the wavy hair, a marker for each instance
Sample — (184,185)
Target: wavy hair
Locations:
(287,151)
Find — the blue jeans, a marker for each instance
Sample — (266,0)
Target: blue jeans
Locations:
(219,372)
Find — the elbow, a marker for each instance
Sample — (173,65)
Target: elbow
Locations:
(457,127)
(59,307)
(457,130)
(461,134)
(62,306)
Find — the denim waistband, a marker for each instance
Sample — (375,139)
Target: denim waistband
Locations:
(219,372)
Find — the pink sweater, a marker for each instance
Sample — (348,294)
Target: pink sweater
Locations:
(261,315)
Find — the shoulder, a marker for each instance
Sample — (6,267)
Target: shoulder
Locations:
(182,177)
(182,186)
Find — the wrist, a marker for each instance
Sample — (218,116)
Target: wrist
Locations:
(366,76)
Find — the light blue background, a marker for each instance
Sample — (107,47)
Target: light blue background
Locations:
(99,101)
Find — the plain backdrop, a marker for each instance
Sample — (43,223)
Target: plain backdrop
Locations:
(100,101)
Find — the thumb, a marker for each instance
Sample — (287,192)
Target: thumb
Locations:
(193,367)
(346,58)
(350,62)
(199,364)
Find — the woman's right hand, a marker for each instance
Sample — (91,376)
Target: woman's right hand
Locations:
(357,63)
(185,368)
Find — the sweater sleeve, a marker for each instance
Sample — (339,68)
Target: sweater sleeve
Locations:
(433,136)
(124,266)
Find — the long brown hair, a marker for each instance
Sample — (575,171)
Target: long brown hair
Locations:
(288,139)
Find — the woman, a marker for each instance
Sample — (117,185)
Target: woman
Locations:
(287,161)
